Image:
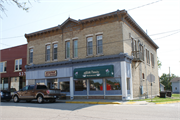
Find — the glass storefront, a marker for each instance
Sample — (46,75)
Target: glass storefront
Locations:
(64,86)
(80,87)
(18,82)
(4,84)
(52,84)
(113,84)
(96,84)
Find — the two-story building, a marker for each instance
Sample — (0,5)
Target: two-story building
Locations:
(106,57)
(12,67)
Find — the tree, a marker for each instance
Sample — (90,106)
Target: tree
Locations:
(159,63)
(164,79)
(22,5)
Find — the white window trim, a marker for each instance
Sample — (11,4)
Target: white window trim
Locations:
(73,47)
(31,47)
(87,47)
(89,35)
(29,54)
(3,66)
(53,51)
(18,65)
(69,50)
(97,46)
(47,44)
(99,33)
(46,52)
(54,42)
(74,38)
(67,39)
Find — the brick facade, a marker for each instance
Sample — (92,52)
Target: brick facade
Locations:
(117,30)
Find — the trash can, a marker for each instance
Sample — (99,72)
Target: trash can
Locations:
(163,94)
(168,93)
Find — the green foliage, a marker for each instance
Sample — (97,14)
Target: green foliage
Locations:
(159,63)
(20,4)
(164,79)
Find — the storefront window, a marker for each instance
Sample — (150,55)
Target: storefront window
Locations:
(113,84)
(64,86)
(96,85)
(80,85)
(4,84)
(15,83)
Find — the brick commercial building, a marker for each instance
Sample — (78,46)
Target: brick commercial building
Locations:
(107,57)
(12,67)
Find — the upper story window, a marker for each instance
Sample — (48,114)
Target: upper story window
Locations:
(18,64)
(3,66)
(147,57)
(99,44)
(142,49)
(135,46)
(48,52)
(75,48)
(55,48)
(152,60)
(31,55)
(67,49)
(89,46)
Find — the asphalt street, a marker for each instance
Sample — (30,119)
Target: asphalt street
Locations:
(67,111)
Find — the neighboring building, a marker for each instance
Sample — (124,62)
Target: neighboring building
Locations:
(108,56)
(12,67)
(161,87)
(175,85)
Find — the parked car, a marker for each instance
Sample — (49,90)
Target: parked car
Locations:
(5,95)
(12,90)
(39,92)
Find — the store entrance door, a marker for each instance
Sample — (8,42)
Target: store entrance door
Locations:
(52,83)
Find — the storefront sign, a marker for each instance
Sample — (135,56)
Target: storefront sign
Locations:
(94,72)
(50,73)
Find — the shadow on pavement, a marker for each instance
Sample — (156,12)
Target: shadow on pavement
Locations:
(47,105)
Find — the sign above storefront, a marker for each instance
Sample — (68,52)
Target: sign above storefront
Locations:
(94,72)
(50,73)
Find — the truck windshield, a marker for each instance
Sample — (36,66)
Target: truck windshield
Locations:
(41,87)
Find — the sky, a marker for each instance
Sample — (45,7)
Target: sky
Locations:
(160,18)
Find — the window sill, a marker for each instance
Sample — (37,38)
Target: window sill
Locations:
(55,60)
(90,56)
(48,61)
(67,59)
(17,70)
(3,72)
(75,58)
(100,54)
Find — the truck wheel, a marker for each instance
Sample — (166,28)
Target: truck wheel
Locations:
(16,99)
(40,99)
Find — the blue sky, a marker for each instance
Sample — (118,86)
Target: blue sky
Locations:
(161,17)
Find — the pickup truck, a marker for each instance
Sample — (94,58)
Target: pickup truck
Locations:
(39,92)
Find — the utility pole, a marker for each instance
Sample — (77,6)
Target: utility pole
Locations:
(169,76)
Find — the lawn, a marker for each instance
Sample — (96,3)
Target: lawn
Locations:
(174,97)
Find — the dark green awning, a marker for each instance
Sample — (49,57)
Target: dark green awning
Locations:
(94,72)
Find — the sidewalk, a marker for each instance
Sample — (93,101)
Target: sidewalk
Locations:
(102,101)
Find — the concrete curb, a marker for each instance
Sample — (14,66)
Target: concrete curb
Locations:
(81,102)
(168,102)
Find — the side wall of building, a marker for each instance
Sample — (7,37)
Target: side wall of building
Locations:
(139,68)
(176,87)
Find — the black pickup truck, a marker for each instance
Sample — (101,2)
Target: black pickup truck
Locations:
(38,92)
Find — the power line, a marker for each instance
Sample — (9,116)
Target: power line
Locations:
(166,36)
(77,9)
(144,5)
(149,35)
